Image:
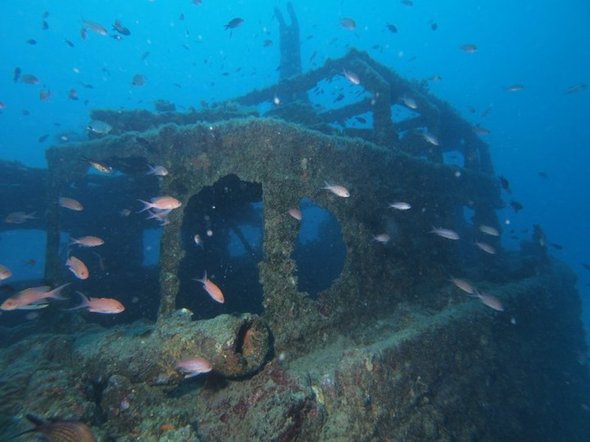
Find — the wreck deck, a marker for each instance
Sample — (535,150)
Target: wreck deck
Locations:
(463,372)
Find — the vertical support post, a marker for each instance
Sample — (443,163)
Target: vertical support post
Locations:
(289,44)
(54,183)
(171,254)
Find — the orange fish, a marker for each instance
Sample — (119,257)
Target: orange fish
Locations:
(77,267)
(87,241)
(161,216)
(295,212)
(60,430)
(161,203)
(31,299)
(70,203)
(212,289)
(5,272)
(194,366)
(100,305)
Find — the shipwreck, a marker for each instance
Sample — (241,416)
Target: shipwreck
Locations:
(386,350)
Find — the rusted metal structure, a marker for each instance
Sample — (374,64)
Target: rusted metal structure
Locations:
(290,161)
(390,348)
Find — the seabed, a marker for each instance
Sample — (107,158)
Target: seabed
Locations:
(390,351)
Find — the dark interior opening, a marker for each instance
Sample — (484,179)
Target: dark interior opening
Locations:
(118,268)
(320,251)
(227,221)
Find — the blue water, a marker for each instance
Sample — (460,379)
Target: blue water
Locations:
(542,45)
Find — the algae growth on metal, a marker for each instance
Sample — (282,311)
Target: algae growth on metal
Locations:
(387,349)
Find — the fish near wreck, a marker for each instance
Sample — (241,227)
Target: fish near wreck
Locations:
(352,77)
(159,215)
(337,190)
(33,298)
(87,241)
(5,272)
(160,203)
(71,204)
(430,138)
(409,102)
(194,367)
(99,127)
(400,205)
(157,171)
(56,430)
(99,166)
(198,240)
(382,238)
(77,267)
(106,306)
(489,249)
(490,301)
(295,213)
(19,217)
(445,233)
(463,284)
(489,230)
(212,289)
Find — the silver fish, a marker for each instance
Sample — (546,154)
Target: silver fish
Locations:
(400,205)
(352,77)
(445,233)
(491,301)
(463,285)
(99,127)
(430,138)
(489,230)
(486,247)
